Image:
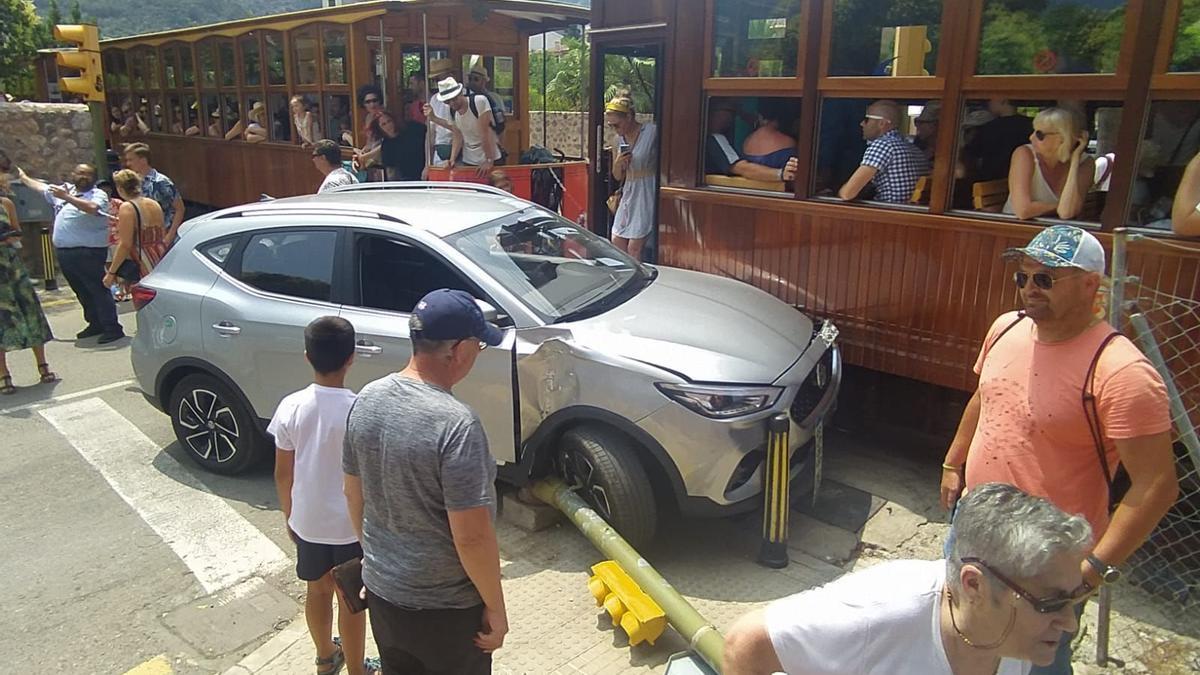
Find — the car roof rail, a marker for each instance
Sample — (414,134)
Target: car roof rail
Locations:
(269,209)
(423,185)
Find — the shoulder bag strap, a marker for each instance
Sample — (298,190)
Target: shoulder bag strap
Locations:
(1092,413)
(137,233)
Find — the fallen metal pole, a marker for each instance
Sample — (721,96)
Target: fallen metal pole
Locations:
(701,635)
(777,500)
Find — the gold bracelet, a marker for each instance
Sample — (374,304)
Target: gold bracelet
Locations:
(951,467)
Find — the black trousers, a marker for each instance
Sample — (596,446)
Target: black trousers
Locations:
(427,641)
(84,270)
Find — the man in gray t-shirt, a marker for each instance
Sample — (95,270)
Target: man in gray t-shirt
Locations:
(420,484)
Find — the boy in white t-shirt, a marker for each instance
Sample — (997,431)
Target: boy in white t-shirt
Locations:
(309,427)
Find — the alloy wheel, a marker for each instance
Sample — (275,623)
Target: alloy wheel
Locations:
(211,429)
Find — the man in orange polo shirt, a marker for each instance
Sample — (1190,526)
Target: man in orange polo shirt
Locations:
(1026,425)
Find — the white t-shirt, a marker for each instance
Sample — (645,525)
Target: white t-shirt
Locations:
(473,148)
(441,135)
(312,424)
(884,619)
(337,178)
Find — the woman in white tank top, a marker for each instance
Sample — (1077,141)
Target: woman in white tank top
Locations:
(1050,175)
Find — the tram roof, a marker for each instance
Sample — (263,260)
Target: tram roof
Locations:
(545,14)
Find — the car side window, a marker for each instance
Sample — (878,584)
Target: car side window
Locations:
(218,251)
(393,275)
(295,263)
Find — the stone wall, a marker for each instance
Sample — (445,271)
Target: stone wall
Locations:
(563,131)
(46,139)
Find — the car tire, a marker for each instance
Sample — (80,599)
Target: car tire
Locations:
(602,467)
(213,425)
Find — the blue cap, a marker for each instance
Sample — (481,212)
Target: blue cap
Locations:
(1064,246)
(447,314)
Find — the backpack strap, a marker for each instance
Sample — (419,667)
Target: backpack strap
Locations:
(1019,319)
(1091,411)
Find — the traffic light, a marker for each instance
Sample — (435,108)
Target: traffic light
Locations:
(630,608)
(85,59)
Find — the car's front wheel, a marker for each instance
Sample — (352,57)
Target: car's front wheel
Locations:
(213,425)
(601,465)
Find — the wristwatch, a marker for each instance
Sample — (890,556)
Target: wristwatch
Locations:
(1108,573)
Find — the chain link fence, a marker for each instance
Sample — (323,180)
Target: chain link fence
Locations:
(1150,621)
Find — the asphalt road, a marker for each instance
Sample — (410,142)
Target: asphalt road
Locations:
(102,521)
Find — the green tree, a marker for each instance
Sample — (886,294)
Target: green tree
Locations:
(1009,42)
(1185,58)
(21,35)
(76,12)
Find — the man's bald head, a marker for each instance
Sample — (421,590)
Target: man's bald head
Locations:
(888,110)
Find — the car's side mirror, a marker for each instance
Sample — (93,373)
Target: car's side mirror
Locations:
(490,313)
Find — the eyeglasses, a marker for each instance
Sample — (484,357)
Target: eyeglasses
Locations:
(1041,135)
(867,118)
(1042,280)
(1050,605)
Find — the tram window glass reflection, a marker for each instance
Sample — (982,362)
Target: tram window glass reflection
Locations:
(1185,55)
(207,58)
(894,137)
(155,115)
(339,126)
(1050,37)
(999,145)
(170,67)
(118,76)
(191,116)
(885,37)
(279,119)
(251,63)
(304,53)
(273,50)
(335,56)
(749,140)
(187,70)
(137,66)
(153,80)
(228,65)
(755,38)
(1170,139)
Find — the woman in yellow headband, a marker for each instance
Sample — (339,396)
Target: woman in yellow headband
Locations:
(635,165)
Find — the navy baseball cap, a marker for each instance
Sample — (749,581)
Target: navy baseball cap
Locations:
(447,314)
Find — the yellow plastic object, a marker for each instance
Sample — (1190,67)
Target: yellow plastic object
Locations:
(85,59)
(910,50)
(630,608)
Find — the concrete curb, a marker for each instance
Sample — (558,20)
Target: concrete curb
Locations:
(258,659)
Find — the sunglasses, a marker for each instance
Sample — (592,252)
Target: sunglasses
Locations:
(1050,605)
(1042,280)
(1041,135)
(868,118)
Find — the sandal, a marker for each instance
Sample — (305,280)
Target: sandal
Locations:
(333,663)
(48,376)
(6,385)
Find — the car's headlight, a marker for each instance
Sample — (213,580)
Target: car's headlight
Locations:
(721,402)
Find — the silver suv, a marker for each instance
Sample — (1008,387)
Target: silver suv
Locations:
(648,388)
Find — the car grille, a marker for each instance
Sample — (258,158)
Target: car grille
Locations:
(814,387)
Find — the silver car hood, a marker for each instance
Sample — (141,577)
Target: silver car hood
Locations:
(705,327)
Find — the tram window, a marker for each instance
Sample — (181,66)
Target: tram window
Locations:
(304,53)
(335,56)
(995,133)
(755,38)
(254,114)
(153,79)
(175,120)
(170,66)
(338,124)
(1050,37)
(137,67)
(279,118)
(273,47)
(749,140)
(1185,56)
(231,113)
(492,75)
(1170,140)
(251,64)
(227,64)
(191,116)
(118,75)
(894,138)
(156,118)
(211,104)
(885,37)
(187,70)
(207,58)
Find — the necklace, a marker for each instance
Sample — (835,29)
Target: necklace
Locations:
(1012,619)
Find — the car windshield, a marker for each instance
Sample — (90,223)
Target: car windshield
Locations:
(561,271)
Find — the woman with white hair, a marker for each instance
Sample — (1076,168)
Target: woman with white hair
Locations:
(1050,175)
(1001,603)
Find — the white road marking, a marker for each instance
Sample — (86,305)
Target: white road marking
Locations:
(219,546)
(37,405)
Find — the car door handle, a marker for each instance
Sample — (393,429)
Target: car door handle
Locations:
(227,329)
(367,348)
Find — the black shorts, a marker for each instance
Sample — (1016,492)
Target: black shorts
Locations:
(427,641)
(313,561)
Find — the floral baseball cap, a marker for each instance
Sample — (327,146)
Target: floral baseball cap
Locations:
(1064,246)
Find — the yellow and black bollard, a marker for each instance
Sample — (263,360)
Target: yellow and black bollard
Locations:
(776,501)
(49,269)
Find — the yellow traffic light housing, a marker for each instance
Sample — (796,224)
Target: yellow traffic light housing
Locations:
(630,608)
(85,59)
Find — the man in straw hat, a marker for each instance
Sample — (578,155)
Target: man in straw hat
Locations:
(438,111)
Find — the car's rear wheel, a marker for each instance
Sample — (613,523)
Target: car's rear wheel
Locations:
(213,425)
(601,465)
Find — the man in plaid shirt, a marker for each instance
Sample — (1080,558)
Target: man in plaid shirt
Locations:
(890,161)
